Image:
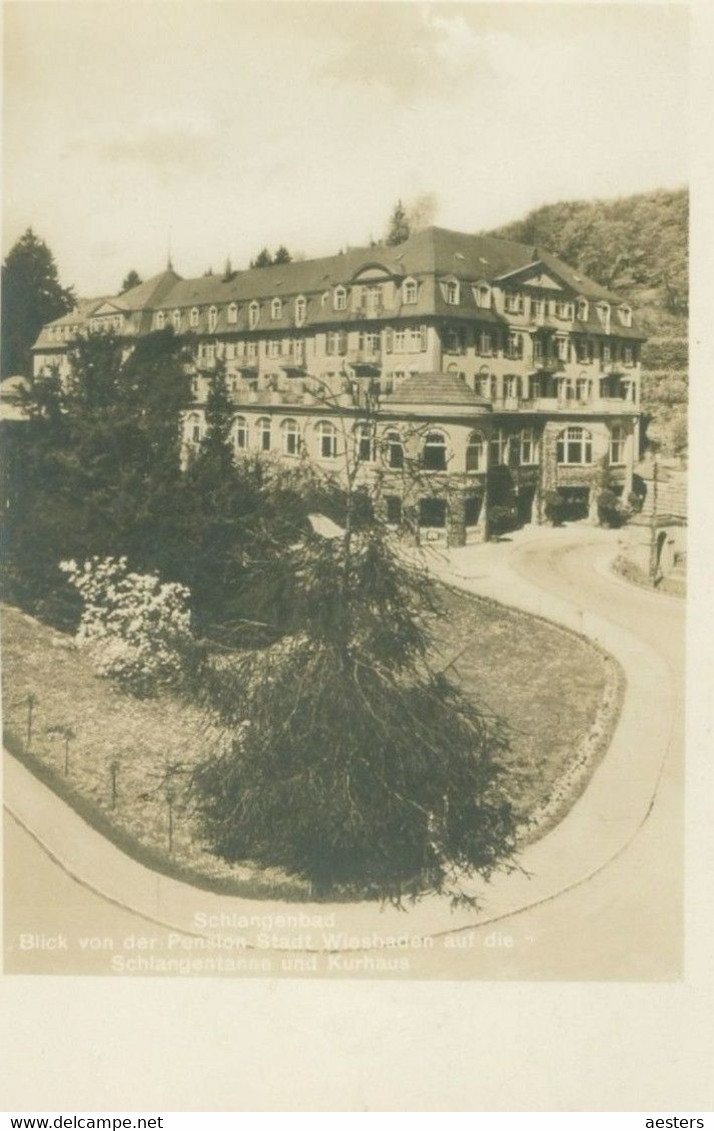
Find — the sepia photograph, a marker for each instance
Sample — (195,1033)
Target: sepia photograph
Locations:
(344,516)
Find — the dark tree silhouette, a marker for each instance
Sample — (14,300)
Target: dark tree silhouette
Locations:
(31,296)
(133,279)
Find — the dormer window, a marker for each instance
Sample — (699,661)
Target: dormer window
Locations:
(626,315)
(582,310)
(340,301)
(276,309)
(212,318)
(603,311)
(253,314)
(300,310)
(482,295)
(409,291)
(176,319)
(193,318)
(233,313)
(451,292)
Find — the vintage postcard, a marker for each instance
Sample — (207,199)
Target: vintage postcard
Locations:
(345,468)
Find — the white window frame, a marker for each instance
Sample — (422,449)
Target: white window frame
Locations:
(618,439)
(300,310)
(253,314)
(625,315)
(582,310)
(452,292)
(410,292)
(339,299)
(276,309)
(435,440)
(240,434)
(193,317)
(212,318)
(476,443)
(290,433)
(264,429)
(327,437)
(176,319)
(527,447)
(574,439)
(232,313)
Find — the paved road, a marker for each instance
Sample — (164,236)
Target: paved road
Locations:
(624,923)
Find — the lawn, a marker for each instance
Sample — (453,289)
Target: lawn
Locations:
(125,758)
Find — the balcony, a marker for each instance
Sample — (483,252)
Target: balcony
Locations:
(366,363)
(293,362)
(548,365)
(246,365)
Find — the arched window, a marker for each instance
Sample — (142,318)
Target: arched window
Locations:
(177,320)
(160,320)
(240,433)
(291,437)
(434,452)
(618,435)
(575,446)
(326,439)
(253,314)
(476,453)
(582,309)
(193,317)
(300,310)
(409,291)
(263,428)
(276,309)
(340,300)
(365,442)
(233,313)
(194,430)
(482,295)
(394,450)
(212,318)
(626,315)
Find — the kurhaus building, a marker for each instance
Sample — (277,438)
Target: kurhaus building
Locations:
(467,375)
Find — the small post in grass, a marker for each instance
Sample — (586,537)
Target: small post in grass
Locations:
(30,701)
(114,770)
(170,796)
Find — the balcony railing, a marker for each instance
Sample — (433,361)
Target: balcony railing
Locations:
(367,360)
(293,361)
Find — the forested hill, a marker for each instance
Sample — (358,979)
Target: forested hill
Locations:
(637,246)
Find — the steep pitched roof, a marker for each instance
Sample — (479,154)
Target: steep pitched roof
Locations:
(434,388)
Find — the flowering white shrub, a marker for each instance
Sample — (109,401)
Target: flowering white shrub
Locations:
(135,629)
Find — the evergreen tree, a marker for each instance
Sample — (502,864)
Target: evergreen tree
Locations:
(282,255)
(133,279)
(31,296)
(262,259)
(398,228)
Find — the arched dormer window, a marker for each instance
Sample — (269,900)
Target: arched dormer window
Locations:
(410,290)
(212,318)
(452,292)
(476,452)
(582,310)
(300,310)
(176,318)
(574,447)
(160,319)
(193,318)
(233,313)
(434,452)
(340,298)
(625,315)
(482,295)
(603,311)
(253,314)
(276,309)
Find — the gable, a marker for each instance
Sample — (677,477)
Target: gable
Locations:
(107,308)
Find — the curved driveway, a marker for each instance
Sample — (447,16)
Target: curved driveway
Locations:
(602,897)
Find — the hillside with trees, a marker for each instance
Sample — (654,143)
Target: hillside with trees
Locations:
(638,247)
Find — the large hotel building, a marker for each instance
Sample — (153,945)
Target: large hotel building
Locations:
(468,376)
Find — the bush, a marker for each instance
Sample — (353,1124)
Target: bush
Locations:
(135,629)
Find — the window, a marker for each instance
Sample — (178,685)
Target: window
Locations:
(326,439)
(276,309)
(627,355)
(263,428)
(584,351)
(253,314)
(233,313)
(340,299)
(574,446)
(432,513)
(451,292)
(177,320)
(485,344)
(625,315)
(526,446)
(399,341)
(273,347)
(371,300)
(395,450)
(195,429)
(563,349)
(393,508)
(617,444)
(371,342)
(252,348)
(453,342)
(291,437)
(160,319)
(240,434)
(434,452)
(563,309)
(513,302)
(511,386)
(582,389)
(606,353)
(415,339)
(212,319)
(628,390)
(537,308)
(582,310)
(476,453)
(207,352)
(300,310)
(497,449)
(409,292)
(514,349)
(537,349)
(365,443)
(193,318)
(603,312)
(472,510)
